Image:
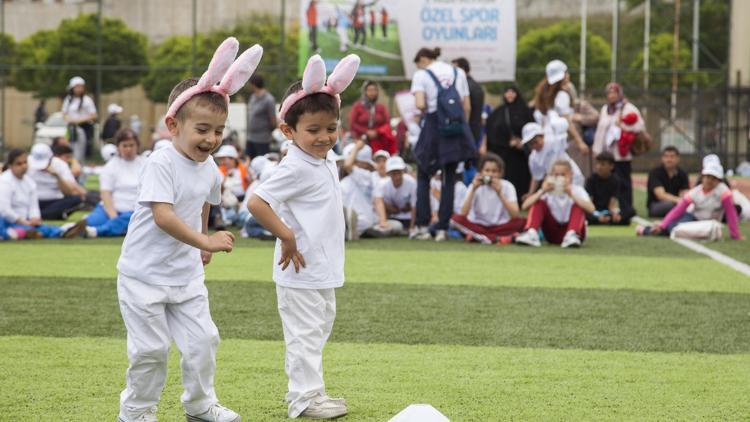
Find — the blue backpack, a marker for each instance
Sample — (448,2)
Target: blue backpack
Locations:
(450,109)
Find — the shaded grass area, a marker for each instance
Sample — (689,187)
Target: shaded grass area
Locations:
(385,313)
(81,378)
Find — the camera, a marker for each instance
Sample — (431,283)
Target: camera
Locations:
(486,180)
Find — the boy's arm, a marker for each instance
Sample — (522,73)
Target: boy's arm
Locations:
(380,209)
(532,198)
(166,219)
(264,214)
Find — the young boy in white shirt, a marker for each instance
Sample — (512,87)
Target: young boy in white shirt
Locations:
(396,198)
(301,204)
(490,209)
(160,285)
(558,209)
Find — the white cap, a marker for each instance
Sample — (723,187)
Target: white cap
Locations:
(114,109)
(76,80)
(162,143)
(365,154)
(529,131)
(711,159)
(713,169)
(257,165)
(381,153)
(40,156)
(555,71)
(285,146)
(108,151)
(226,151)
(395,163)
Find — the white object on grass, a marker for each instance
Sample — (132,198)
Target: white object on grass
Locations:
(420,413)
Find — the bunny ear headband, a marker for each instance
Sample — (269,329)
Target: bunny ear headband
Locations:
(224,75)
(314,80)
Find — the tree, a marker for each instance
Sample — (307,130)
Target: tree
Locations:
(71,50)
(7,52)
(560,41)
(660,59)
(170,63)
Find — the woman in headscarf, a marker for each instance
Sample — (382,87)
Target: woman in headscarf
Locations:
(370,121)
(619,120)
(503,137)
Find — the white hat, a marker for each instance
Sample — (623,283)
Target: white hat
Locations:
(555,71)
(713,169)
(76,80)
(257,165)
(381,153)
(40,156)
(529,131)
(395,163)
(711,159)
(108,151)
(114,109)
(162,143)
(285,146)
(365,154)
(226,151)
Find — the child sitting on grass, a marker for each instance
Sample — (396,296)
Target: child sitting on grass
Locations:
(490,209)
(604,188)
(396,198)
(558,209)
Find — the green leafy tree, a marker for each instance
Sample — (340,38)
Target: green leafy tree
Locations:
(660,60)
(7,52)
(170,63)
(560,41)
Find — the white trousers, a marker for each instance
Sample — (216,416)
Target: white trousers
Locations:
(307,319)
(154,316)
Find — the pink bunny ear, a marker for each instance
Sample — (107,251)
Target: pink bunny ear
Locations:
(241,70)
(343,73)
(314,77)
(220,62)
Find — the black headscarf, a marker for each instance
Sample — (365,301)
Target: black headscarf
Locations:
(507,120)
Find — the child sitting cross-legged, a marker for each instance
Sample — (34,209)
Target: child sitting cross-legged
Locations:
(396,198)
(490,209)
(558,209)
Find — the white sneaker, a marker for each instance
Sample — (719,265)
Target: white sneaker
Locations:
(147,416)
(324,407)
(90,232)
(529,237)
(420,233)
(571,240)
(441,236)
(216,413)
(12,234)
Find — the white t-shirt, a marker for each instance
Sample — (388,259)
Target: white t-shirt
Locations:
(357,189)
(459,195)
(233,182)
(18,198)
(562,103)
(121,178)
(305,192)
(707,205)
(555,144)
(400,196)
(47,187)
(560,205)
(487,209)
(422,82)
(151,255)
(70,107)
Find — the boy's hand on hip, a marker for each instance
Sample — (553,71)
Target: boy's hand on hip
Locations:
(289,253)
(221,241)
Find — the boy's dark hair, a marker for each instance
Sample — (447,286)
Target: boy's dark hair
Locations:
(216,102)
(671,148)
(257,81)
(430,53)
(13,156)
(59,150)
(606,156)
(313,103)
(126,134)
(463,64)
(491,157)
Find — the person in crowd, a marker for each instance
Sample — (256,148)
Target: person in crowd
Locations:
(476,99)
(118,183)
(262,168)
(108,152)
(358,23)
(40,112)
(558,209)
(80,114)
(613,132)
(459,194)
(312,24)
(711,200)
(369,121)
(547,146)
(439,147)
(603,186)
(112,124)
(357,189)
(667,183)
(373,22)
(504,138)
(261,118)
(396,198)
(20,217)
(490,209)
(384,22)
(236,180)
(58,192)
(342,29)
(380,158)
(65,152)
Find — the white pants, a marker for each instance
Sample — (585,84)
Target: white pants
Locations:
(307,318)
(154,316)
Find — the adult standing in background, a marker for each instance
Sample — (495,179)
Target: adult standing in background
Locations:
(79,112)
(312,24)
(476,99)
(370,121)
(503,137)
(261,118)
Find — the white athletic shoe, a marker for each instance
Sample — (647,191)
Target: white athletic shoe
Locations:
(441,236)
(147,416)
(216,413)
(420,233)
(90,232)
(324,407)
(529,237)
(12,234)
(571,240)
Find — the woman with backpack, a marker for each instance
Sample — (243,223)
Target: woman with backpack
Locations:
(79,111)
(441,92)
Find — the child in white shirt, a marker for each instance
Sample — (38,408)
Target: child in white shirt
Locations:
(301,204)
(548,144)
(160,285)
(490,209)
(358,188)
(396,198)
